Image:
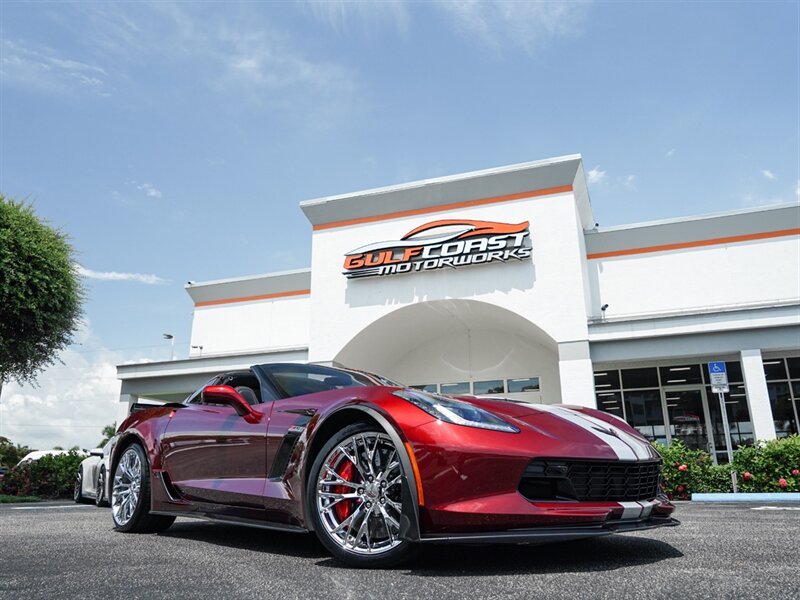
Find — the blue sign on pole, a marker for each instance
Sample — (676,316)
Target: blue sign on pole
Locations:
(717,367)
(719,377)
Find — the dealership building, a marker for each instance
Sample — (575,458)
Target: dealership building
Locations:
(501,282)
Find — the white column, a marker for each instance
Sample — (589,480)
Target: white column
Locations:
(126,402)
(757,395)
(575,374)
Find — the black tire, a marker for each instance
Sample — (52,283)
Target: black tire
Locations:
(135,516)
(100,495)
(77,492)
(402,550)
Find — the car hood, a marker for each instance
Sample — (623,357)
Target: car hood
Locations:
(572,426)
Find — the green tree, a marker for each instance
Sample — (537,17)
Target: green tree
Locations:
(41,294)
(10,453)
(108,432)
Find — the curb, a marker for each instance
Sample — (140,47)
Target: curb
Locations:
(748,497)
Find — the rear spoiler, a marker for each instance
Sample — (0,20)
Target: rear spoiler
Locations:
(137,407)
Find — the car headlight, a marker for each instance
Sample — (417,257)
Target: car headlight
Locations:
(455,411)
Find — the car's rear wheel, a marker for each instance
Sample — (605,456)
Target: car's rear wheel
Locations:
(100,497)
(130,495)
(355,497)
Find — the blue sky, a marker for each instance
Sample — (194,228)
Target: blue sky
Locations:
(174,141)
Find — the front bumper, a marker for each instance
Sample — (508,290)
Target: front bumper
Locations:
(546,535)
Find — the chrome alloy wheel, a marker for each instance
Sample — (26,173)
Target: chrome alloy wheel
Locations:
(359,494)
(126,488)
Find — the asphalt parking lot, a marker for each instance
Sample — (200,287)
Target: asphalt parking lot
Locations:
(721,551)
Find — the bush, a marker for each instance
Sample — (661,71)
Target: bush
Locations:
(48,477)
(763,467)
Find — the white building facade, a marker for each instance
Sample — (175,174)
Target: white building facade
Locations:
(500,282)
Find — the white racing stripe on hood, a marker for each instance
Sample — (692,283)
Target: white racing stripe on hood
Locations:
(620,448)
(640,448)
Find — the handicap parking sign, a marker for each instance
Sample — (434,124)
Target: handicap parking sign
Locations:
(718,374)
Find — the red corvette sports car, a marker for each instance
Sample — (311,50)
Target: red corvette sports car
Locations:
(375,468)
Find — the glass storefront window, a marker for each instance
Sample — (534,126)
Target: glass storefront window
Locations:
(738,418)
(774,369)
(610,402)
(608,380)
(643,412)
(794,368)
(640,378)
(494,386)
(529,384)
(681,375)
(783,413)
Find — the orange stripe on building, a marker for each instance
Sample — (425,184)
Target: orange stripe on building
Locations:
(252,298)
(443,207)
(696,244)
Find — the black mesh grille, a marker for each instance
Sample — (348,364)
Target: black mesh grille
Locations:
(590,480)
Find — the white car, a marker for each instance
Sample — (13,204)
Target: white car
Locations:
(37,454)
(91,482)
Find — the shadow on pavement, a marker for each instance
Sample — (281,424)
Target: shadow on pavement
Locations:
(586,556)
(301,545)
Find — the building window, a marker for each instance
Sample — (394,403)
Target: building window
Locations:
(455,389)
(783,385)
(493,386)
(665,403)
(427,387)
(611,402)
(644,413)
(529,384)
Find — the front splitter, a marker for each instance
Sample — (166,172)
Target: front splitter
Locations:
(546,535)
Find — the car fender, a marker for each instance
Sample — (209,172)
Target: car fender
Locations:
(409,526)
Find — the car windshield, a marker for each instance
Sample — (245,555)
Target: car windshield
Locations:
(298,379)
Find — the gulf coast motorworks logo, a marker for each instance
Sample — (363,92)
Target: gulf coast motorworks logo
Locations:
(439,244)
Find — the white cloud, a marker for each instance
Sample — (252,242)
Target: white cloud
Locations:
(629,181)
(116,276)
(149,190)
(596,175)
(237,53)
(496,23)
(768,174)
(528,25)
(42,69)
(343,15)
(670,152)
(70,404)
(797,189)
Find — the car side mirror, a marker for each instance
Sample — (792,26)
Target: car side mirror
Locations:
(226,395)
(96,452)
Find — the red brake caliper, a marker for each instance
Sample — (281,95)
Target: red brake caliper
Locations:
(345,507)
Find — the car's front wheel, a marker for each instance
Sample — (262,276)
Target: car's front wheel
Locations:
(130,495)
(355,497)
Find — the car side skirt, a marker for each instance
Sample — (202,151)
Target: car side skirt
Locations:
(231,520)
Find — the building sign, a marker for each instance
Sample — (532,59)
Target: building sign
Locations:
(449,243)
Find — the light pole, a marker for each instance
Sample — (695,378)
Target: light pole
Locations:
(171,338)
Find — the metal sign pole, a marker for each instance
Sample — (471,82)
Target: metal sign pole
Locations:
(728,441)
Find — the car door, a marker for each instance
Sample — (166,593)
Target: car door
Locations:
(213,455)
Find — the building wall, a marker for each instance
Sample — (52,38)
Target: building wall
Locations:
(752,272)
(251,326)
(547,290)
